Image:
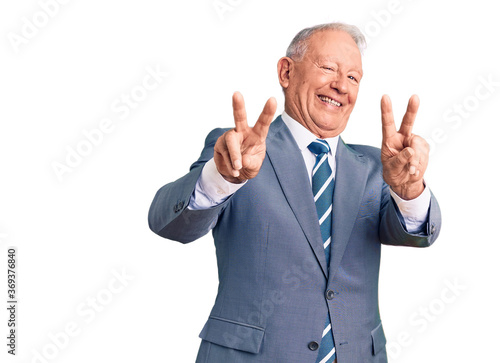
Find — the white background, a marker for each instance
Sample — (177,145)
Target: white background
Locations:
(71,234)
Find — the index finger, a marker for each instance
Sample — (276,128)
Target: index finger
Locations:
(410,115)
(388,126)
(261,127)
(239,112)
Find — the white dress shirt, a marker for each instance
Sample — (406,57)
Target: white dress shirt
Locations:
(212,189)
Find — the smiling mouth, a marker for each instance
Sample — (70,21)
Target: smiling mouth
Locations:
(330,101)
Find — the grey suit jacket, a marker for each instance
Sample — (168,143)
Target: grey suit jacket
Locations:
(275,289)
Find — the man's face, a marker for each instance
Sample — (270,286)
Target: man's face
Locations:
(321,88)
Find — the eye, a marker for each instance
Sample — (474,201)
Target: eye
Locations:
(329,68)
(353,78)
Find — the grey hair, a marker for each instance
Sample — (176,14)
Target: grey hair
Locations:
(298,46)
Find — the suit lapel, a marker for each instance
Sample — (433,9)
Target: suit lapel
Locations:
(350,182)
(288,164)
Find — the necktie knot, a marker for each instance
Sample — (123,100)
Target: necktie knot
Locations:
(319,146)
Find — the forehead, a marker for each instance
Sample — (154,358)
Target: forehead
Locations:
(333,45)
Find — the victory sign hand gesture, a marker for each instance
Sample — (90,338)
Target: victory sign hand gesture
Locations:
(239,153)
(404,155)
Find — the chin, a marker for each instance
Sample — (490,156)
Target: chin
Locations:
(329,125)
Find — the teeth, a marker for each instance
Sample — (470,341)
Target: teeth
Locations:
(330,101)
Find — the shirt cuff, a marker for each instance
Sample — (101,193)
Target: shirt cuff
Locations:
(211,188)
(415,211)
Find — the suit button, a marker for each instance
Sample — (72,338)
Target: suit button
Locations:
(433,228)
(330,294)
(178,207)
(313,346)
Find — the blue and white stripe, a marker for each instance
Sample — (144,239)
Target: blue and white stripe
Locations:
(322,185)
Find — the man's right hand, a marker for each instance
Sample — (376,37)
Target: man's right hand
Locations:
(239,153)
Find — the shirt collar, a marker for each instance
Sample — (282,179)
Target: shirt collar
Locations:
(303,137)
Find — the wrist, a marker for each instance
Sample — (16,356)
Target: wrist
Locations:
(233,180)
(409,191)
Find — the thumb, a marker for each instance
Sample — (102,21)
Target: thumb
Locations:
(403,157)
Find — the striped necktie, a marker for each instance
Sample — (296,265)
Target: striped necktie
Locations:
(322,185)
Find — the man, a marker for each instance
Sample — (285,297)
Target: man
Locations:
(298,217)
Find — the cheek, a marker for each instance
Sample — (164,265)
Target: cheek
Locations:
(353,96)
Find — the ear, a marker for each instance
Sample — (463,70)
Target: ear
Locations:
(285,65)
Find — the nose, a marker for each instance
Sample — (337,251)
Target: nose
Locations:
(339,83)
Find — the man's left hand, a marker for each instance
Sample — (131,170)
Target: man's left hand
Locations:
(404,155)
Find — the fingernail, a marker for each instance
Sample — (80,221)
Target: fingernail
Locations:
(237,164)
(412,170)
(407,153)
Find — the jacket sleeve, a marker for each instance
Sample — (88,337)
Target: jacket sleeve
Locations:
(393,232)
(169,216)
